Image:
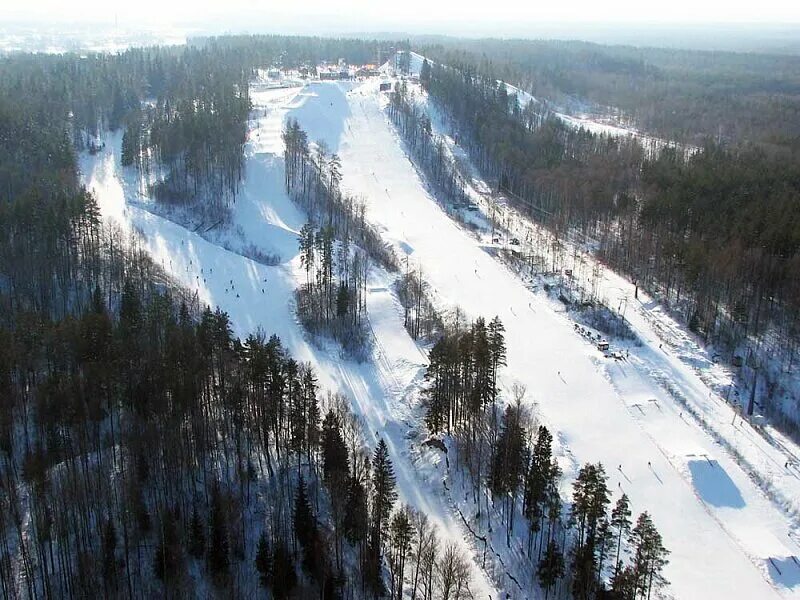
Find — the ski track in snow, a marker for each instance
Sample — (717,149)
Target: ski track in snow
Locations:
(255,295)
(725,535)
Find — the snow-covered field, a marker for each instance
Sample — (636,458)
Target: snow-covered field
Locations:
(728,538)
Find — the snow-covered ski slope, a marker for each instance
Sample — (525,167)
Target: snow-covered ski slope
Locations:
(728,540)
(721,528)
(768,455)
(256,295)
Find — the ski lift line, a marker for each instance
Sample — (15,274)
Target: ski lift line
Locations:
(751,433)
(530,204)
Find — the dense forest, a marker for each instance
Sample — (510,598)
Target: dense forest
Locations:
(146,451)
(684,95)
(714,233)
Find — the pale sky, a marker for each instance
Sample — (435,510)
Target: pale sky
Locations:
(399,15)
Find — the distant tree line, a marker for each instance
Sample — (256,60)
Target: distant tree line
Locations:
(184,109)
(686,95)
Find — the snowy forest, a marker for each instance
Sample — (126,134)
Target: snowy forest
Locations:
(367,433)
(711,230)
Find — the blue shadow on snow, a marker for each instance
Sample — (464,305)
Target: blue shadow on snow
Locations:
(784,571)
(714,485)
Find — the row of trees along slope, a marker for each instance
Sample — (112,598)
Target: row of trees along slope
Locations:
(337,245)
(506,457)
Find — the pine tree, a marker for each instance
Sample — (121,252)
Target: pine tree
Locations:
(590,500)
(305,528)
(110,564)
(335,463)
(497,350)
(508,463)
(482,382)
(356,518)
(384,494)
(538,482)
(551,567)
(401,536)
(425,74)
(437,416)
(306,240)
(383,498)
(264,560)
(312,433)
(197,535)
(604,539)
(623,582)
(284,575)
(218,556)
(168,556)
(342,300)
(621,523)
(649,556)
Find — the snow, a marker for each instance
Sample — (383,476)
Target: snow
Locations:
(414,64)
(380,389)
(769,457)
(523,97)
(601,412)
(60,38)
(663,434)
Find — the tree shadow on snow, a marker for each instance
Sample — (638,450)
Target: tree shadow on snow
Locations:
(322,110)
(784,571)
(714,485)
